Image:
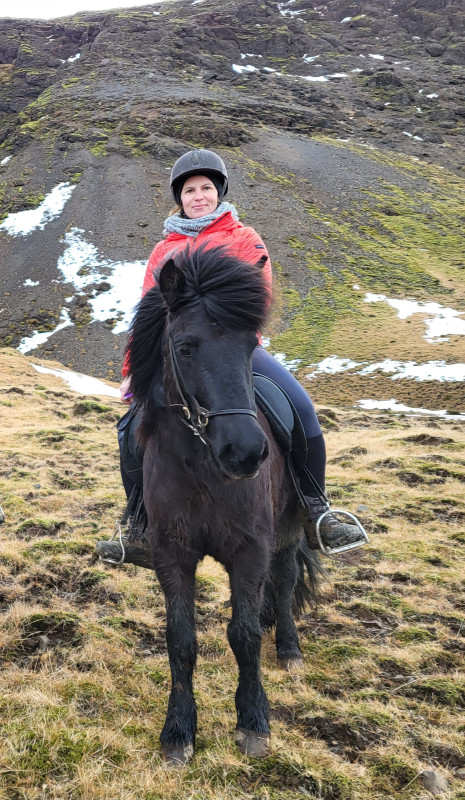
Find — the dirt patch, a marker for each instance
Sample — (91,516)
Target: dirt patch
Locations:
(342,737)
(428,440)
(42,637)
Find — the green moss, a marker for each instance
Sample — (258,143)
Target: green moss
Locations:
(32,200)
(30,127)
(39,527)
(98,148)
(393,770)
(296,243)
(75,177)
(84,407)
(445,691)
(413,634)
(52,547)
(69,83)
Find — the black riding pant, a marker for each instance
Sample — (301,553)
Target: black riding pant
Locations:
(266,364)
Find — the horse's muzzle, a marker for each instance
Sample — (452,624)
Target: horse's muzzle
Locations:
(242,458)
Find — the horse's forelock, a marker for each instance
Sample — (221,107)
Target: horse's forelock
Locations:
(234,292)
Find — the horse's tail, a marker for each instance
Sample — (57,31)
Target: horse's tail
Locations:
(309,568)
(306,594)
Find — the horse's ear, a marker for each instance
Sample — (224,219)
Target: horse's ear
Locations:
(171,282)
(261,261)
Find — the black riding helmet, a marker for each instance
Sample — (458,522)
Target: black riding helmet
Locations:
(199,162)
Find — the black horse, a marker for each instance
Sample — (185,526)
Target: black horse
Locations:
(215,481)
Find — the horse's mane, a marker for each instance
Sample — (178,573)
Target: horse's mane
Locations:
(232,292)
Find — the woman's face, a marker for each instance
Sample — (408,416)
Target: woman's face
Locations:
(199,197)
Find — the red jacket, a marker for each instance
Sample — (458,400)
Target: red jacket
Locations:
(245,243)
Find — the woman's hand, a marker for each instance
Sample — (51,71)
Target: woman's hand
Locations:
(125,391)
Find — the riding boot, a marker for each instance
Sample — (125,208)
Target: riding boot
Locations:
(333,533)
(131,546)
(330,534)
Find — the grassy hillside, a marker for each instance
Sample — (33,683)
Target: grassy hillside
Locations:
(84,672)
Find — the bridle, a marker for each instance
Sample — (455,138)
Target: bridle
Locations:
(195,416)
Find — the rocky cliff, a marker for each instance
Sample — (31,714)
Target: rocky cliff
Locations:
(343,128)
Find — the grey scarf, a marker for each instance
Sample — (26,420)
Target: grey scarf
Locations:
(192,227)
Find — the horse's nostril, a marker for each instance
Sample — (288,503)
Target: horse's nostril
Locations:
(266,450)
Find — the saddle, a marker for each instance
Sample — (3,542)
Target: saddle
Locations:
(277,407)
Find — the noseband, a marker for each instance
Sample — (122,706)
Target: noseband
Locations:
(195,416)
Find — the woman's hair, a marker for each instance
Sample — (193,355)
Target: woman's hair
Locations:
(175,210)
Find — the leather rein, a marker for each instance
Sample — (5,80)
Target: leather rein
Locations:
(195,416)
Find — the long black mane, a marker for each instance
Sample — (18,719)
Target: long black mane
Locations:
(232,292)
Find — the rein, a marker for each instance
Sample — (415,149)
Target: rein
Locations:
(195,416)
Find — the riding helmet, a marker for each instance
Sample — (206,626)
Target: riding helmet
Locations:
(199,162)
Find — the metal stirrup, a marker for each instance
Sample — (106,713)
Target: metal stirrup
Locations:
(328,551)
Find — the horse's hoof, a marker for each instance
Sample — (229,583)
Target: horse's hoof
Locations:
(179,754)
(291,663)
(251,743)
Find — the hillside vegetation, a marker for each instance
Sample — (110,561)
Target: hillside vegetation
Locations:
(84,671)
(343,128)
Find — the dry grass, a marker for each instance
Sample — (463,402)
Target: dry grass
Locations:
(84,675)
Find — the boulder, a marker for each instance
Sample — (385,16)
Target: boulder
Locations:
(435,49)
(434,781)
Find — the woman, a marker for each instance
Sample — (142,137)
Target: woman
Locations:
(199,183)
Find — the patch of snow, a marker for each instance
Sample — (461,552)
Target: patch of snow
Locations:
(246,68)
(287,12)
(357,69)
(376,56)
(22,223)
(420,91)
(332,365)
(430,371)
(77,382)
(338,75)
(441,322)
(290,364)
(5,160)
(125,279)
(432,96)
(346,19)
(309,59)
(73,58)
(406,133)
(315,79)
(418,139)
(28,282)
(270,69)
(31,342)
(393,405)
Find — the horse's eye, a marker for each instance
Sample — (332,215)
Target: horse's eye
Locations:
(184,351)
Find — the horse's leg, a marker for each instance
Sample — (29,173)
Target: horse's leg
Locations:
(285,572)
(245,636)
(177,579)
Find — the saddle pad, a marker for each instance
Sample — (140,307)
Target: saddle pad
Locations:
(283,419)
